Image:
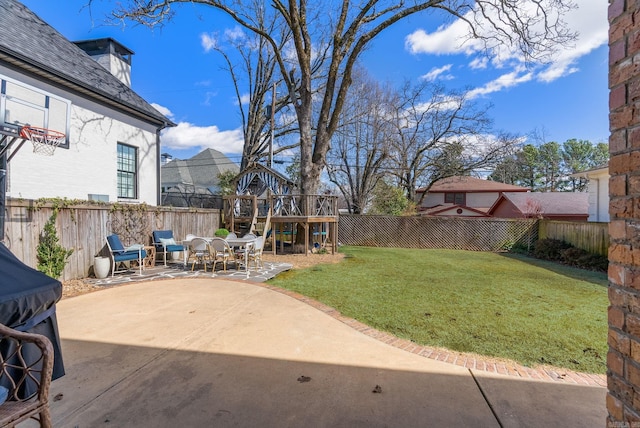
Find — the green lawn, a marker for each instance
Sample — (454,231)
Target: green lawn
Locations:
(499,305)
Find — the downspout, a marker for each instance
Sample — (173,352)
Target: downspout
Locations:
(597,180)
(158,165)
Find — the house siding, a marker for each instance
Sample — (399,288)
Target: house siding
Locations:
(89,165)
(482,199)
(472,199)
(433,199)
(599,197)
(506,209)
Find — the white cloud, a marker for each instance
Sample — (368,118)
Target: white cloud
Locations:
(439,73)
(208,41)
(446,40)
(187,135)
(163,110)
(591,24)
(234,33)
(209,96)
(479,63)
(589,20)
(507,80)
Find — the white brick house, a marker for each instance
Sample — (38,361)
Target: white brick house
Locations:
(112,149)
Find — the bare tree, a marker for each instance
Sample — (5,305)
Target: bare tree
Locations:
(335,38)
(256,75)
(360,144)
(440,134)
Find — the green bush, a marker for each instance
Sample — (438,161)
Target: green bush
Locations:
(549,249)
(221,233)
(52,257)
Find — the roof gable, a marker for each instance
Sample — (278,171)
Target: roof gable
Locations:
(454,211)
(29,43)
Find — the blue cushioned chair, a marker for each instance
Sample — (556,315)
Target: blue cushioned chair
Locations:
(121,254)
(165,243)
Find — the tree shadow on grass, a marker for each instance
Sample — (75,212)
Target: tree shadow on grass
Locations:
(598,278)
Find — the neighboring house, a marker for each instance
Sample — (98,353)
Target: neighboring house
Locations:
(112,146)
(569,206)
(454,210)
(463,196)
(598,192)
(190,182)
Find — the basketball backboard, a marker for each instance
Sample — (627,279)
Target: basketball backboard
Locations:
(21,104)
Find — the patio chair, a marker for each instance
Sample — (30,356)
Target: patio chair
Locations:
(165,243)
(221,252)
(120,254)
(199,252)
(255,253)
(16,372)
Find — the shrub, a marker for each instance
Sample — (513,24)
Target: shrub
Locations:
(52,257)
(562,252)
(596,262)
(221,233)
(549,249)
(573,256)
(583,259)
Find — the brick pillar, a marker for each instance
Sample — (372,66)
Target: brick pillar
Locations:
(623,358)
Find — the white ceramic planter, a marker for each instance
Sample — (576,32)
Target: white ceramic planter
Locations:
(101,267)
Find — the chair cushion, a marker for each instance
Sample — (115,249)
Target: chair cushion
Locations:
(172,248)
(167,241)
(4,394)
(128,255)
(115,243)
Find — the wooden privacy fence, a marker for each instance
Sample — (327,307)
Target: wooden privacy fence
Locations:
(84,228)
(592,237)
(429,232)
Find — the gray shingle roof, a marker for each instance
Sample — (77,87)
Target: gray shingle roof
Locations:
(201,170)
(31,44)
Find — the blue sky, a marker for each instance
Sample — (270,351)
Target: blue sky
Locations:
(173,69)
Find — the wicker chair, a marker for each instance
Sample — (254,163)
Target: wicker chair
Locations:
(221,251)
(16,373)
(255,253)
(199,252)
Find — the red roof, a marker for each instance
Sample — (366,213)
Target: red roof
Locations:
(549,203)
(471,185)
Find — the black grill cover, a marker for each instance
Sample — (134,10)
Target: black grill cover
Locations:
(27,303)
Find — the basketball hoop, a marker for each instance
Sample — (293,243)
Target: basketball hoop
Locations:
(44,140)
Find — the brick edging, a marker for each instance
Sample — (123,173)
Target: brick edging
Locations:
(470,361)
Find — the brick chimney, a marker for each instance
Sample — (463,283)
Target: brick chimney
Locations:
(111,55)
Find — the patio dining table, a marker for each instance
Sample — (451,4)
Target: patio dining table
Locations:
(244,243)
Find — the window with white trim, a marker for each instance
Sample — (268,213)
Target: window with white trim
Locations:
(127,171)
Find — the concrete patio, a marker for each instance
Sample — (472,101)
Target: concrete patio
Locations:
(213,352)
